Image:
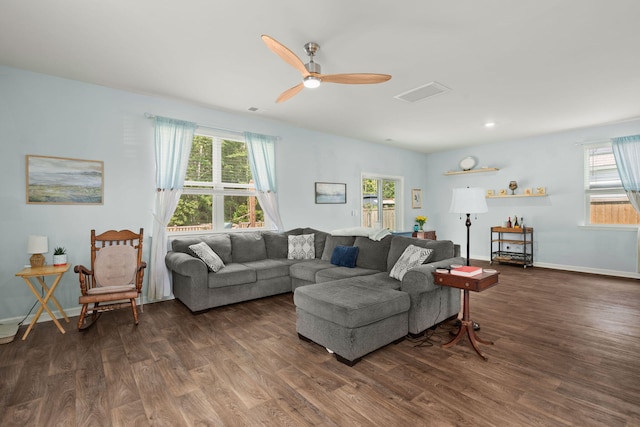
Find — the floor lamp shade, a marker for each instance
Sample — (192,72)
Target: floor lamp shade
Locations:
(37,245)
(468,201)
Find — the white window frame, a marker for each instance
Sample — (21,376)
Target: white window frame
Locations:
(399,205)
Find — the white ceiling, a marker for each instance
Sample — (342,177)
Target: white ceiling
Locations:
(532,67)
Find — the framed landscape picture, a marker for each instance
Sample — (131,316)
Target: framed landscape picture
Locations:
(330,192)
(59,180)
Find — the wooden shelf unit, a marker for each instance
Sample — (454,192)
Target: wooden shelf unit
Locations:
(471,171)
(501,240)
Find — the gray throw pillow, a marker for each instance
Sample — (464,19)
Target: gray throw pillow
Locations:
(412,257)
(206,254)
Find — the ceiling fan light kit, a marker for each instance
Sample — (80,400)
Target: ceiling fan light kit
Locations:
(311,75)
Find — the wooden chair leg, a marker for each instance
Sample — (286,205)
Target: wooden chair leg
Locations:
(83,313)
(135,312)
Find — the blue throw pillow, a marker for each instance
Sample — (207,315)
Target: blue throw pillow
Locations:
(345,256)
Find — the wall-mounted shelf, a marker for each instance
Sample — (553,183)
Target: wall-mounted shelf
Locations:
(471,171)
(515,195)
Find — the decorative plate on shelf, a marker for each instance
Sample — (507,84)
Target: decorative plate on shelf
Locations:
(467,163)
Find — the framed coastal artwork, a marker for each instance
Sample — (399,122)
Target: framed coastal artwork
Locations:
(331,193)
(64,181)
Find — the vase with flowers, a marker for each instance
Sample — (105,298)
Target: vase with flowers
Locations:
(421,220)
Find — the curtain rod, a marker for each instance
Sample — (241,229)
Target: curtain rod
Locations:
(152,116)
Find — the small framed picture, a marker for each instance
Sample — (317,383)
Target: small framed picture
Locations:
(416,198)
(541,191)
(503,192)
(331,193)
(490,193)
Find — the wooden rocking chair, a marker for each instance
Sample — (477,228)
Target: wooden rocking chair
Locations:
(116,275)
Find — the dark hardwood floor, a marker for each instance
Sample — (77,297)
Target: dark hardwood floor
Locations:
(567,352)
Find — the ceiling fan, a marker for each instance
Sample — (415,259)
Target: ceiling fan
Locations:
(311,71)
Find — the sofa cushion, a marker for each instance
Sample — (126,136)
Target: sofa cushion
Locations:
(232,275)
(412,257)
(349,304)
(345,256)
(339,273)
(373,254)
(208,256)
(247,247)
(332,242)
(306,270)
(319,239)
(276,244)
(301,247)
(442,249)
(269,268)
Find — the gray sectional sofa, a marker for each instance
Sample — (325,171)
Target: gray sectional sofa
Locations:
(327,296)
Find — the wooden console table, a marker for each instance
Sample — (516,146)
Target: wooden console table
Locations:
(477,284)
(40,273)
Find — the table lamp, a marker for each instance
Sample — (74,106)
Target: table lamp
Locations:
(37,245)
(468,201)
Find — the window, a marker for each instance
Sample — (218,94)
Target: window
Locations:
(218,190)
(605,199)
(379,207)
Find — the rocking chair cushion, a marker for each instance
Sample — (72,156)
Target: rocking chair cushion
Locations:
(115,266)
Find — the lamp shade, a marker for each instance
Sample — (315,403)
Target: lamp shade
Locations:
(38,245)
(468,201)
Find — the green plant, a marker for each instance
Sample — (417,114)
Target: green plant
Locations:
(59,251)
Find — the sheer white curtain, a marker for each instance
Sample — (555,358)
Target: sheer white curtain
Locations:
(626,151)
(262,160)
(173,140)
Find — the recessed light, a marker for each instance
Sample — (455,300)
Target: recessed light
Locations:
(489,124)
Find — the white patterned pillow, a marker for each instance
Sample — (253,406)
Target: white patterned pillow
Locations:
(206,254)
(412,257)
(302,247)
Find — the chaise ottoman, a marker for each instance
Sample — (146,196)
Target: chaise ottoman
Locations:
(351,318)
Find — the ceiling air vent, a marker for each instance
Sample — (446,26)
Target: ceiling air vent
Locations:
(422,92)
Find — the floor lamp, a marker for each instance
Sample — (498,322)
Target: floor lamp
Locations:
(468,201)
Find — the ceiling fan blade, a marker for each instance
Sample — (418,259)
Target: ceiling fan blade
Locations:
(290,93)
(283,52)
(354,79)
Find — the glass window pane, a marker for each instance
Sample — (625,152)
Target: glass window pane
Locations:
(242,212)
(612,209)
(235,163)
(200,167)
(193,213)
(603,172)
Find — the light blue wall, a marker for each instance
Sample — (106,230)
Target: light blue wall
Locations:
(552,161)
(48,116)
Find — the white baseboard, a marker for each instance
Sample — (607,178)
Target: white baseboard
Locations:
(602,271)
(70,312)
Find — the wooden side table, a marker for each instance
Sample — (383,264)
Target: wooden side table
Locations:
(40,273)
(477,284)
(429,234)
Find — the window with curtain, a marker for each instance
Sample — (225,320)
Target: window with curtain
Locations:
(219,192)
(605,199)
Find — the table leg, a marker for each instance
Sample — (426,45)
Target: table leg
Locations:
(466,327)
(43,304)
(53,297)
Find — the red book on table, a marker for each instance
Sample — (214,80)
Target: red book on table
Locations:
(466,271)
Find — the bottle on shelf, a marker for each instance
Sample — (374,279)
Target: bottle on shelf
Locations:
(509,222)
(515,224)
(522,222)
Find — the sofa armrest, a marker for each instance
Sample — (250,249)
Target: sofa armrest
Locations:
(420,279)
(186,265)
